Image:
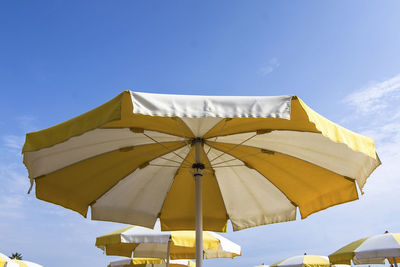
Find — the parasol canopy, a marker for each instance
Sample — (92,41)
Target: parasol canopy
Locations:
(255,160)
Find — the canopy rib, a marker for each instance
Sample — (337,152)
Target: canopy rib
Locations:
(160,143)
(163,165)
(179,122)
(162,157)
(245,156)
(237,145)
(238,165)
(183,134)
(218,133)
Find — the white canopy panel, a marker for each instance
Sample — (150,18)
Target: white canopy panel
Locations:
(195,106)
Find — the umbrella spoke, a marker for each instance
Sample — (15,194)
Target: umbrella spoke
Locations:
(164,158)
(239,158)
(160,143)
(183,134)
(235,146)
(164,165)
(181,163)
(219,132)
(228,166)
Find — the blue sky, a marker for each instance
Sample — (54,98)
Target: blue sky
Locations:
(59,59)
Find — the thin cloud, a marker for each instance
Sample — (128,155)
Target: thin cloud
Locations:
(27,123)
(12,195)
(11,206)
(272,64)
(377,116)
(13,141)
(14,178)
(376,97)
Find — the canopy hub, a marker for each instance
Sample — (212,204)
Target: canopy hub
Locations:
(197,140)
(198,165)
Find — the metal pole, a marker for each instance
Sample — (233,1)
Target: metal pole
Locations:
(168,251)
(199,207)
